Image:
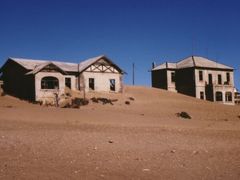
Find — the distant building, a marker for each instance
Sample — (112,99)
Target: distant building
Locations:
(37,80)
(237,97)
(1,87)
(198,77)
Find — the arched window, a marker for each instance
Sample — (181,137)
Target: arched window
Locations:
(228,96)
(49,83)
(219,96)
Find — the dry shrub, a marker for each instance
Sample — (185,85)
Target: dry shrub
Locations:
(184,115)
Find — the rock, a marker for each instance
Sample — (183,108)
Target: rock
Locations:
(195,152)
(110,141)
(173,151)
(145,170)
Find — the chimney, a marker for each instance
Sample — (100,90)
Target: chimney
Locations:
(153,65)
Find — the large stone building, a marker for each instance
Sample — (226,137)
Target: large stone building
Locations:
(198,77)
(37,80)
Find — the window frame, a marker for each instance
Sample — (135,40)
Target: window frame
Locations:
(49,83)
(228,98)
(219,96)
(200,75)
(112,85)
(68,82)
(173,77)
(219,79)
(91,83)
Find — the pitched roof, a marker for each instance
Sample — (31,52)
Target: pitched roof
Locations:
(165,65)
(36,65)
(32,64)
(85,64)
(195,61)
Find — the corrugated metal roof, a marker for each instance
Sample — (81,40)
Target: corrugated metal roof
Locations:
(193,61)
(36,65)
(32,64)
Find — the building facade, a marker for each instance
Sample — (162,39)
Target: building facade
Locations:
(37,80)
(198,77)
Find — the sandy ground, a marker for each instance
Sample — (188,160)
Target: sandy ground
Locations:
(143,140)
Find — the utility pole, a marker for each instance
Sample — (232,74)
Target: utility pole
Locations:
(133,75)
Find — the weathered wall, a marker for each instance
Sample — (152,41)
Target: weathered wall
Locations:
(48,94)
(201,85)
(185,81)
(159,79)
(102,82)
(16,83)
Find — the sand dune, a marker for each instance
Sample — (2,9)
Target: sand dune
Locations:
(142,140)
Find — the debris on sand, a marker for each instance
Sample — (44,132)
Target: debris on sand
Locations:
(145,170)
(131,98)
(184,115)
(127,102)
(103,100)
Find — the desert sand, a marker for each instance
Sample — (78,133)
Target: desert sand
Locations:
(142,140)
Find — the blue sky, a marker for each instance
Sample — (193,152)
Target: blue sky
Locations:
(126,31)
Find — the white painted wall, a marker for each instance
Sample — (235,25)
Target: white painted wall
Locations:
(43,94)
(102,81)
(200,85)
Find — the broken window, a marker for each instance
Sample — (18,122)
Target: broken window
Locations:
(91,83)
(219,79)
(68,82)
(228,97)
(201,95)
(49,82)
(200,75)
(173,76)
(228,78)
(112,85)
(210,79)
(219,96)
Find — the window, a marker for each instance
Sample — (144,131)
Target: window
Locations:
(49,83)
(68,82)
(112,85)
(200,76)
(219,79)
(209,78)
(173,76)
(228,97)
(91,83)
(219,96)
(228,78)
(201,95)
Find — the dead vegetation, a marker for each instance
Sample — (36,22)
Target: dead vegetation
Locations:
(103,100)
(184,115)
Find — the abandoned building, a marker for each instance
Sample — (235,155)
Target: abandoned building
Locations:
(36,80)
(237,97)
(198,77)
(1,87)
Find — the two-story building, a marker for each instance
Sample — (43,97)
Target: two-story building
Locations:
(198,77)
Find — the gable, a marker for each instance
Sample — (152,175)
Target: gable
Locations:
(102,66)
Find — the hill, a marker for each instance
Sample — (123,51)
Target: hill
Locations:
(143,139)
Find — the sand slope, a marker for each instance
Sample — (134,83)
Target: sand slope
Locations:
(143,140)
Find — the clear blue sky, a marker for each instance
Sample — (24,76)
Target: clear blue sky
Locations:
(140,31)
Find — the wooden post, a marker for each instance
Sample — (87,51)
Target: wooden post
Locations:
(133,75)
